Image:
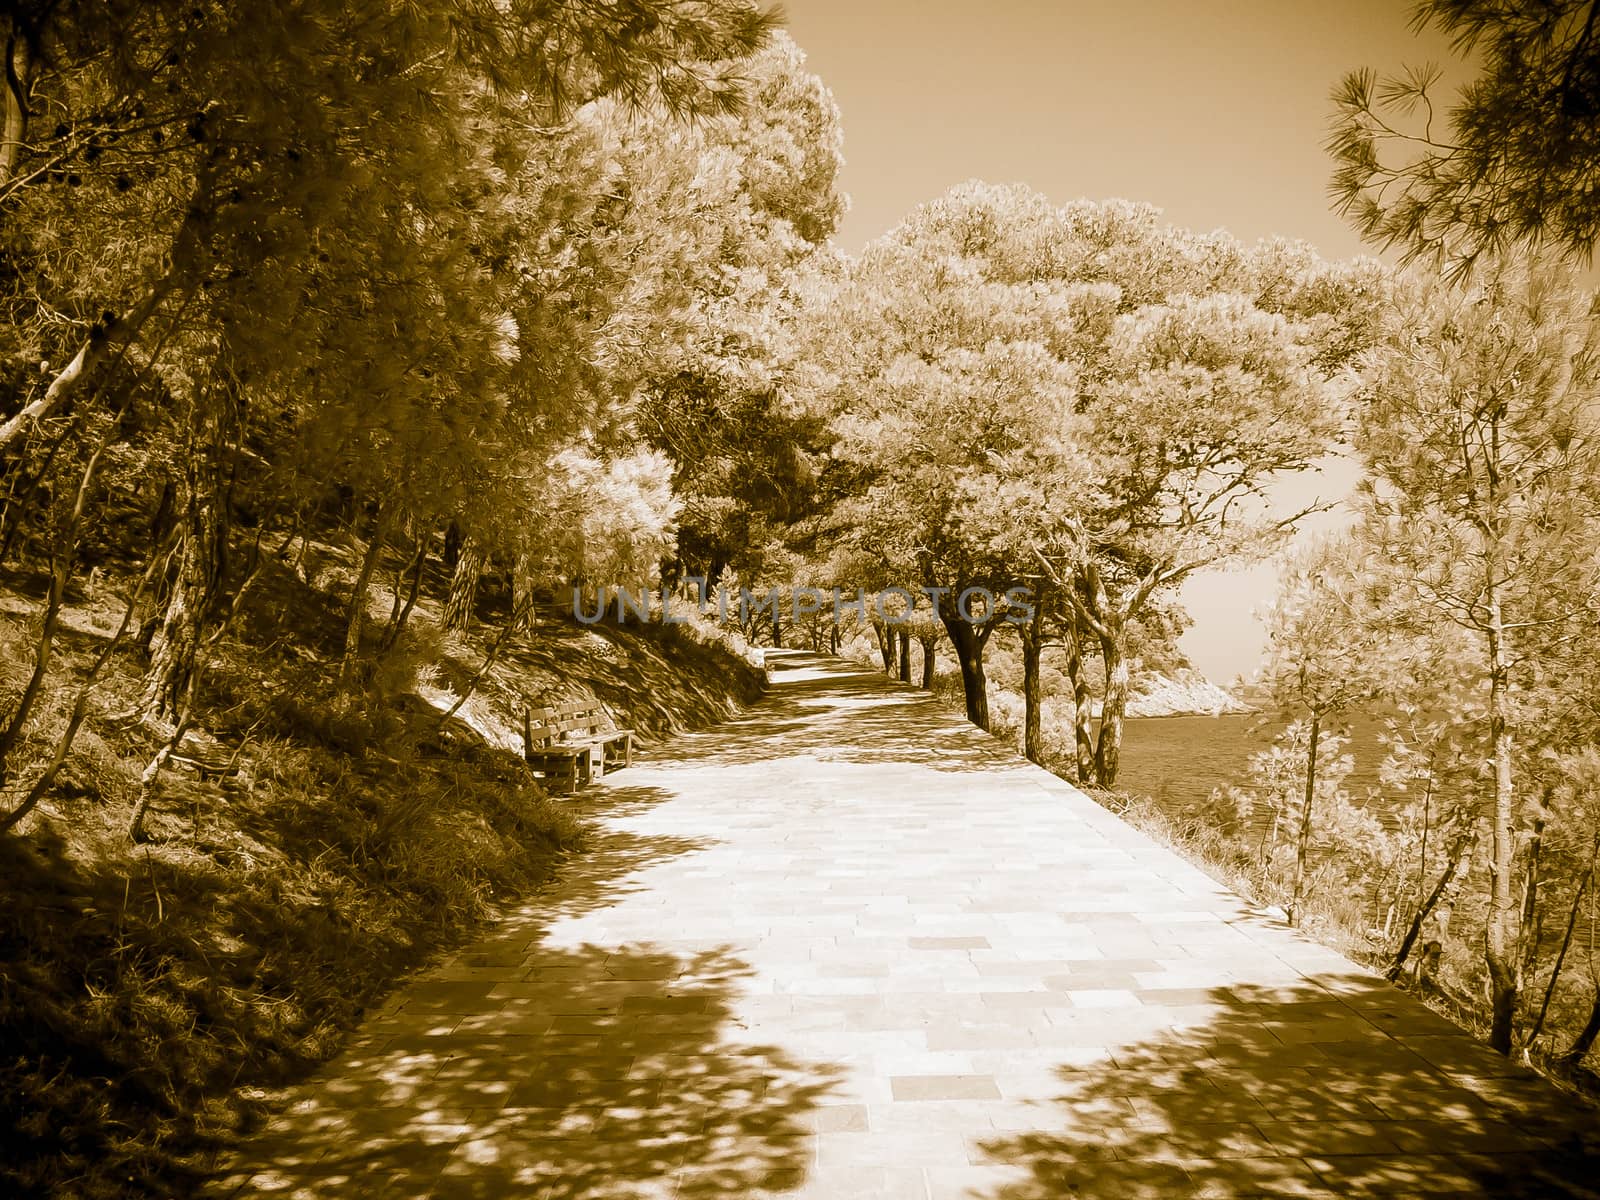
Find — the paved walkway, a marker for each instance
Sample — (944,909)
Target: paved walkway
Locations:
(848,947)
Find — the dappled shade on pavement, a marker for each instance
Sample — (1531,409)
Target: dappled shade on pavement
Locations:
(847,946)
(1337,1087)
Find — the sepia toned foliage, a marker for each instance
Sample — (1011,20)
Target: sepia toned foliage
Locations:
(1510,161)
(1076,396)
(1462,603)
(339,339)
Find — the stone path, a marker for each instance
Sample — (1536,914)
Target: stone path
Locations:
(848,947)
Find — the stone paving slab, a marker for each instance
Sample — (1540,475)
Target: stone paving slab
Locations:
(848,947)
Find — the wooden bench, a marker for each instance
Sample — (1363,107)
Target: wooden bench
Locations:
(573,744)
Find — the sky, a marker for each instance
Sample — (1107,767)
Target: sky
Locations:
(1215,111)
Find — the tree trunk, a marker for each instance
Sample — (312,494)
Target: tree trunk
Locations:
(833,638)
(1032,635)
(1082,705)
(80,709)
(23,486)
(183,715)
(403,610)
(522,590)
(929,647)
(1427,828)
(1269,837)
(462,604)
(885,646)
(1566,944)
(165,517)
(1532,920)
(1455,868)
(202,563)
(905,654)
(18,82)
(356,619)
(1579,1050)
(1114,704)
(969,644)
(150,777)
(1501,942)
(499,644)
(17,718)
(103,340)
(201,569)
(452,545)
(1304,839)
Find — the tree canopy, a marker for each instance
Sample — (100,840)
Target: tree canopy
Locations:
(1027,393)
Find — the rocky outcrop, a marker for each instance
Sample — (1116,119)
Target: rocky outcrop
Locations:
(1181,692)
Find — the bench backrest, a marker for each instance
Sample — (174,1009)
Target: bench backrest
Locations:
(543,727)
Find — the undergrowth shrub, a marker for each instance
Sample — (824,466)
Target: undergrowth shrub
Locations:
(149,994)
(411,664)
(143,985)
(699,630)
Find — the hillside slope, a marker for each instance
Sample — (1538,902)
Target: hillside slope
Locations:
(152,996)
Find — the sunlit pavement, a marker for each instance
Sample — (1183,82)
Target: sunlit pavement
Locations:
(850,947)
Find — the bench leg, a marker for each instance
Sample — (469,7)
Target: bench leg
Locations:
(619,753)
(564,774)
(569,776)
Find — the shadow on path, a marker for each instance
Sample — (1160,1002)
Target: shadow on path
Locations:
(600,1074)
(842,712)
(1350,1089)
(525,1068)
